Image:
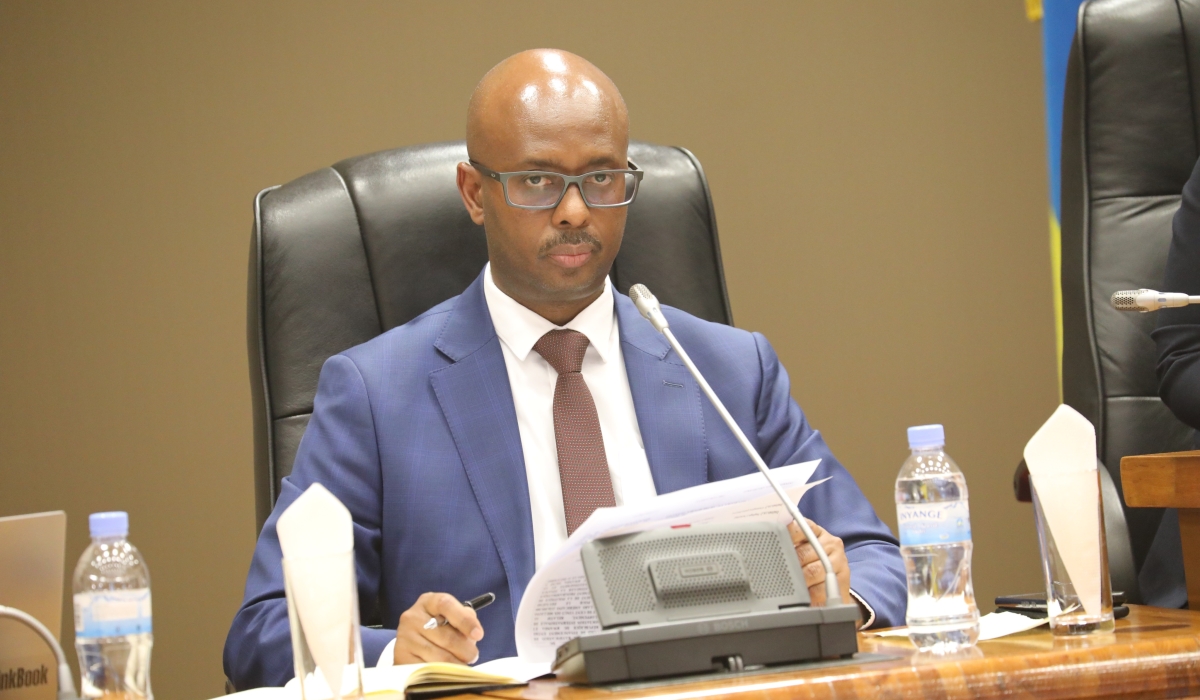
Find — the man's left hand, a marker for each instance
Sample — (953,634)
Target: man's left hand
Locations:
(814,573)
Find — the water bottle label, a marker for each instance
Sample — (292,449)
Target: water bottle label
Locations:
(933,523)
(112,613)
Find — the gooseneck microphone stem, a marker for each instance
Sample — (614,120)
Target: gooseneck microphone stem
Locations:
(648,306)
(66,683)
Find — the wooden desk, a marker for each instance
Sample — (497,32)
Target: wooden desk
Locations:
(1154,653)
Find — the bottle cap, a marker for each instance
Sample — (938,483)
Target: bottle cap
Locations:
(111,524)
(922,437)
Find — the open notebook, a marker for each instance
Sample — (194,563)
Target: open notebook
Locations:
(423,679)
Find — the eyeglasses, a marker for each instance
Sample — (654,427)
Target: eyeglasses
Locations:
(539,189)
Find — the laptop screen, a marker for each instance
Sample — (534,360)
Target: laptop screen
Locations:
(32,549)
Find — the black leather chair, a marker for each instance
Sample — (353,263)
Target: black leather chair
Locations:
(345,253)
(1130,139)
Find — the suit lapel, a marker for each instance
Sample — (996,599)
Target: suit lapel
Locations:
(667,402)
(477,402)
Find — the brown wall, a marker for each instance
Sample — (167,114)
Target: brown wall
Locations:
(893,150)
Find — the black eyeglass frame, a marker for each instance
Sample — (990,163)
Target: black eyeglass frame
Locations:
(568,180)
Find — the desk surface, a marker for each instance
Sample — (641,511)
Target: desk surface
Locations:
(1154,653)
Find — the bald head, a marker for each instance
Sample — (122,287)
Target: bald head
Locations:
(529,99)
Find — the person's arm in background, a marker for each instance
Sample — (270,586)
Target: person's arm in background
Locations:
(1178,332)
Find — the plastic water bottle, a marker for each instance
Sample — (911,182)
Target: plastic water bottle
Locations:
(935,539)
(113,634)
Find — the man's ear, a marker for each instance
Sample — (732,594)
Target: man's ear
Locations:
(470,188)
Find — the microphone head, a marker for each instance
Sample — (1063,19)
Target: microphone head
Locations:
(1127,300)
(647,306)
(642,297)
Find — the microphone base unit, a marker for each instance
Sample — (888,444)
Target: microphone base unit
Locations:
(722,644)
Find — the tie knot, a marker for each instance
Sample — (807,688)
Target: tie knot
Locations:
(563,349)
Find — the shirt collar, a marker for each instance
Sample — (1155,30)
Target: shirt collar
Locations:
(519,328)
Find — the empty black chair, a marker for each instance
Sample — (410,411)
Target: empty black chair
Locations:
(345,253)
(1130,139)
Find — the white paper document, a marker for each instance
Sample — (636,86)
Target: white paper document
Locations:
(557,605)
(991,626)
(1061,457)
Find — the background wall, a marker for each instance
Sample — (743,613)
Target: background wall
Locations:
(893,150)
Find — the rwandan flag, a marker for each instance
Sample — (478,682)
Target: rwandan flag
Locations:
(1058,29)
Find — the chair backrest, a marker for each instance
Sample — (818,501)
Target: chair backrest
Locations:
(345,253)
(1130,138)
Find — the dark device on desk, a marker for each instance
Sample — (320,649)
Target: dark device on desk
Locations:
(1034,605)
(707,598)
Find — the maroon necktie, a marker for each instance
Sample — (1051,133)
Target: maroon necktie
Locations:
(582,465)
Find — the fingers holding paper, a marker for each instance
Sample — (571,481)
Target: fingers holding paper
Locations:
(814,572)
(453,642)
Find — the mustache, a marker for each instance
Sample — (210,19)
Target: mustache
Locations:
(571,237)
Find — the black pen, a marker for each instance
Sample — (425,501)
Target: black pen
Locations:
(477,603)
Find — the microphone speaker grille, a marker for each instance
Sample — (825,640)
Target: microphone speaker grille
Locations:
(639,291)
(1125,301)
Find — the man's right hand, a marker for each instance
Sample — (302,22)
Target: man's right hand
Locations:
(453,642)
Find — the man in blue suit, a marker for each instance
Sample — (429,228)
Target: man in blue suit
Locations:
(470,441)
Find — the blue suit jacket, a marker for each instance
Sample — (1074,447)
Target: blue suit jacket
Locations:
(416,433)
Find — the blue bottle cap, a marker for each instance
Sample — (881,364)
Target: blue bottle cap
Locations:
(111,524)
(921,437)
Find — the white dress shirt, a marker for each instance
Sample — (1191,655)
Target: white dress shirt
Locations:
(532,380)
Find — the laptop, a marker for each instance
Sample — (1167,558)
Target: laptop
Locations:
(32,549)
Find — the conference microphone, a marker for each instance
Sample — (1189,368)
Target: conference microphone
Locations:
(647,304)
(1147,300)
